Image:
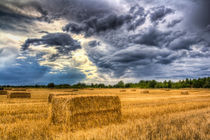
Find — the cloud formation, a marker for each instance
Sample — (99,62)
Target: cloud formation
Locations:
(122,39)
(63,43)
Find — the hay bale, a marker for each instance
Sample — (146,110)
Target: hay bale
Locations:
(3,92)
(85,111)
(122,90)
(133,90)
(57,94)
(184,93)
(91,89)
(167,90)
(75,90)
(19,89)
(19,94)
(145,91)
(7,88)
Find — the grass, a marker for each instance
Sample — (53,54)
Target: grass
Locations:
(161,114)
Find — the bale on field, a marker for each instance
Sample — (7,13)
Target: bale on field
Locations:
(3,92)
(75,90)
(122,90)
(184,93)
(91,89)
(19,89)
(167,90)
(145,91)
(7,88)
(85,111)
(133,90)
(57,94)
(19,94)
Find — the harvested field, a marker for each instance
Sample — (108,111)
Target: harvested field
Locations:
(19,94)
(85,111)
(157,115)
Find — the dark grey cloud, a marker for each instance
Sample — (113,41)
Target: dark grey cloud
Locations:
(184,43)
(200,14)
(17,15)
(174,23)
(151,37)
(138,17)
(94,43)
(159,13)
(64,43)
(96,25)
(11,20)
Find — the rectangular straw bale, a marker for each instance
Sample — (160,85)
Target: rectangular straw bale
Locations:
(122,90)
(85,111)
(184,93)
(145,91)
(19,94)
(3,92)
(75,90)
(58,94)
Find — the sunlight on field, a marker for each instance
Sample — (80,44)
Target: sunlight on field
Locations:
(159,114)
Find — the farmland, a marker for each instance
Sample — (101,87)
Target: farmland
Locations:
(155,114)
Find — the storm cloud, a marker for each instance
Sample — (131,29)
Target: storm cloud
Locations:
(122,39)
(63,43)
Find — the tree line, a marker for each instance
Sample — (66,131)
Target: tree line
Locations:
(187,83)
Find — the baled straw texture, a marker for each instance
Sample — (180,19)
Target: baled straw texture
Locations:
(3,92)
(145,91)
(122,90)
(184,93)
(19,94)
(58,94)
(85,111)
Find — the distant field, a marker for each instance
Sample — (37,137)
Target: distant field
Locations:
(158,114)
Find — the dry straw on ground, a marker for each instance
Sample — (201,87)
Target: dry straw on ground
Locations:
(184,93)
(58,94)
(19,89)
(79,112)
(19,94)
(145,91)
(3,92)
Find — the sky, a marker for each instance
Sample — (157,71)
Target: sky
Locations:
(103,41)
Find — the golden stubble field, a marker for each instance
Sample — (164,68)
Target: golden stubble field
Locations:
(159,115)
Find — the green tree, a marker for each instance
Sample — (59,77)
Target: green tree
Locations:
(51,85)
